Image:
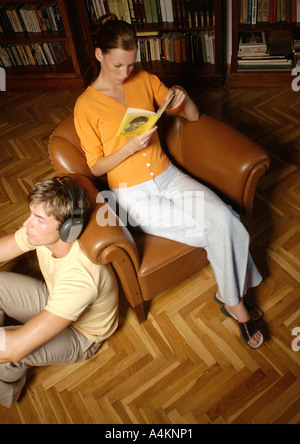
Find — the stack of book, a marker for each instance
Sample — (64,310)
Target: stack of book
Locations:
(258,53)
(297,41)
(32,54)
(22,17)
(192,46)
(184,13)
(269,11)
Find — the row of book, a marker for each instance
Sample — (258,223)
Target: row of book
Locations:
(261,51)
(192,47)
(33,54)
(22,17)
(184,13)
(269,11)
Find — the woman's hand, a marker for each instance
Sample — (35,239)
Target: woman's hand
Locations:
(181,98)
(139,143)
(134,144)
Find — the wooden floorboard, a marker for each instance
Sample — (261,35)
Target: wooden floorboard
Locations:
(186,364)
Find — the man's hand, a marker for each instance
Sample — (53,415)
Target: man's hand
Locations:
(21,341)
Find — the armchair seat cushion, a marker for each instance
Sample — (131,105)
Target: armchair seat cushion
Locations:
(165,263)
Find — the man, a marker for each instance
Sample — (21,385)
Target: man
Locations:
(66,317)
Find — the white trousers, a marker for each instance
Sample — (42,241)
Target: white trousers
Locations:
(177,207)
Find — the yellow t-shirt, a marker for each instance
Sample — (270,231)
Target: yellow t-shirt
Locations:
(98,117)
(79,290)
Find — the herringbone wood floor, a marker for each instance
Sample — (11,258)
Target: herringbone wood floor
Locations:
(186,364)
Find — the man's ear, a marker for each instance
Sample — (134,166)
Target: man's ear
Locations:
(98,54)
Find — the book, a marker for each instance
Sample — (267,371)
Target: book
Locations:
(138,121)
(252,12)
(184,13)
(280,44)
(255,39)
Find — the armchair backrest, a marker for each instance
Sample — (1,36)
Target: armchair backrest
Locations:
(65,151)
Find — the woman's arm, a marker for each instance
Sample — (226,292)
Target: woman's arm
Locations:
(190,109)
(134,144)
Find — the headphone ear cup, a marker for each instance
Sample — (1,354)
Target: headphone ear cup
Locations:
(65,229)
(70,230)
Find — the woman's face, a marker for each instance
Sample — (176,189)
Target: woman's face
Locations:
(117,64)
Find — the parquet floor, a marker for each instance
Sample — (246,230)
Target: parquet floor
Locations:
(186,364)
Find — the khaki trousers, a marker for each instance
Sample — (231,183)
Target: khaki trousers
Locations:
(22,298)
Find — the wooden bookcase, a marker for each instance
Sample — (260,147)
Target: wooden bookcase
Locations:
(257,78)
(74,72)
(196,74)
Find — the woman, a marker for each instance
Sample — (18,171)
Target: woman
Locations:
(159,198)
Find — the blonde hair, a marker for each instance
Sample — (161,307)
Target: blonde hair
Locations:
(54,195)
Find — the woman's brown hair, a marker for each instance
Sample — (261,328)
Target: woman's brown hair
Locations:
(115,34)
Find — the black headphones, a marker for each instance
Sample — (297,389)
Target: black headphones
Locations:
(72,228)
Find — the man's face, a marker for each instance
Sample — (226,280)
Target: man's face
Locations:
(42,230)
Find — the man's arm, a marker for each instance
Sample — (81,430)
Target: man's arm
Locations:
(9,248)
(22,341)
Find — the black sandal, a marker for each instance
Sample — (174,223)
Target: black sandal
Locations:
(247,329)
(249,306)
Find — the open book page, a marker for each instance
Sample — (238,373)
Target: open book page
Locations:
(138,121)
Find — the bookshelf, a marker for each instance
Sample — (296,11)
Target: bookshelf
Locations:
(43,45)
(276,19)
(195,27)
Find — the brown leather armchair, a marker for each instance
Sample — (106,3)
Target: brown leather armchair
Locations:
(147,265)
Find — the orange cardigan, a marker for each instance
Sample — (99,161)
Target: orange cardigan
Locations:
(98,117)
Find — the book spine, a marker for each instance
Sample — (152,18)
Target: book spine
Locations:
(42,54)
(179,47)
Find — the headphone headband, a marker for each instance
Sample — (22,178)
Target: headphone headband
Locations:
(72,228)
(76,211)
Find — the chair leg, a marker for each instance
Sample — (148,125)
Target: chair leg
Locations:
(140,312)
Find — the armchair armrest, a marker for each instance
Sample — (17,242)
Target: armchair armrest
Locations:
(111,243)
(221,157)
